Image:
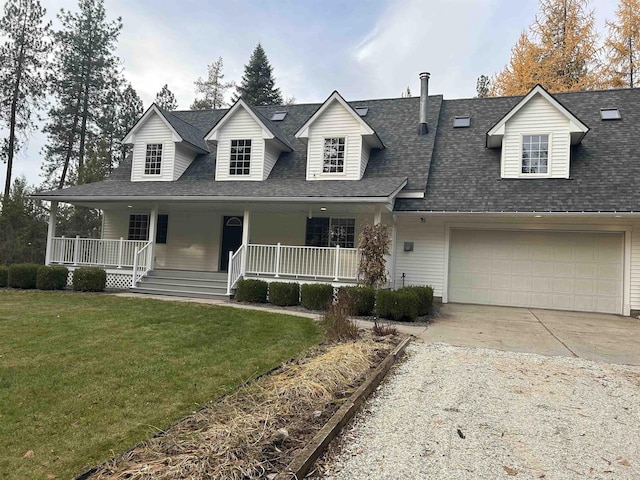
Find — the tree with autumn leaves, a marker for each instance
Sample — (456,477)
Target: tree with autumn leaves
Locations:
(560,51)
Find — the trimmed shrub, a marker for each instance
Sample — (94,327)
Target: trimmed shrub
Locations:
(284,294)
(251,290)
(398,306)
(89,279)
(23,275)
(52,277)
(4,274)
(316,296)
(363,299)
(425,298)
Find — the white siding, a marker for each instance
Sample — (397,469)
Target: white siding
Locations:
(115,224)
(193,242)
(537,117)
(364,158)
(183,159)
(425,265)
(241,126)
(271,155)
(154,130)
(635,267)
(335,121)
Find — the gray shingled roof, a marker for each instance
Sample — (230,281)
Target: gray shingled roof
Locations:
(465,176)
(407,156)
(188,132)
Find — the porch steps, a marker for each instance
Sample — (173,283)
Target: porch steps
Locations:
(184,283)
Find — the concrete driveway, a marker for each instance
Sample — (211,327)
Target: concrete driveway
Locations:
(592,336)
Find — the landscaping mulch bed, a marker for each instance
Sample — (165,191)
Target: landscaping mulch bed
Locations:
(256,431)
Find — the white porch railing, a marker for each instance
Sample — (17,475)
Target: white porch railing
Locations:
(94,251)
(333,263)
(142,263)
(235,268)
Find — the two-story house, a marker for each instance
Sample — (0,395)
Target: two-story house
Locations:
(522,201)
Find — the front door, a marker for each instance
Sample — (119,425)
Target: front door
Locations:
(231,239)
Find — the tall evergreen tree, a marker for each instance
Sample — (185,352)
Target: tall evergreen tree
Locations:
(258,85)
(85,67)
(622,46)
(23,61)
(165,99)
(559,52)
(212,89)
(131,109)
(23,226)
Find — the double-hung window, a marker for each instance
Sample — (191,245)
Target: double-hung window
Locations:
(139,227)
(329,232)
(535,154)
(333,161)
(153,159)
(240,161)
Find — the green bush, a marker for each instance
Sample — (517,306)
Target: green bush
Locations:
(284,294)
(398,306)
(425,298)
(363,299)
(251,290)
(4,274)
(316,296)
(23,275)
(89,279)
(52,277)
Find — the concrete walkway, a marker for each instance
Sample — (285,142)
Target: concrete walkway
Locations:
(592,336)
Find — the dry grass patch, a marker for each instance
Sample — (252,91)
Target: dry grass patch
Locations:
(257,430)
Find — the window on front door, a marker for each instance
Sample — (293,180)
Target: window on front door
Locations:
(329,232)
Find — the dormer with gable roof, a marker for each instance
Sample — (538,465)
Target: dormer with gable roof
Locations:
(248,145)
(163,146)
(536,137)
(339,141)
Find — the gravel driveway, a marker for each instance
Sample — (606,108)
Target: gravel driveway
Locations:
(466,413)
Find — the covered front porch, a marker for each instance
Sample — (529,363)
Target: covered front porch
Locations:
(284,242)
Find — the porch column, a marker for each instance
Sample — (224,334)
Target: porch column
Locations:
(153,228)
(51,232)
(377,216)
(246,225)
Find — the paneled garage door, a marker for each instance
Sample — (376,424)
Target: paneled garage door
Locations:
(561,270)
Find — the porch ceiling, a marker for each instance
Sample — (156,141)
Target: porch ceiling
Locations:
(238,208)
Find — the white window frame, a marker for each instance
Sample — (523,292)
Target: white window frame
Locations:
(245,140)
(547,174)
(153,159)
(344,156)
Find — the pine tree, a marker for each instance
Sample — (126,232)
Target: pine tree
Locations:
(559,52)
(258,85)
(622,46)
(522,73)
(407,93)
(566,29)
(131,109)
(165,99)
(483,86)
(23,60)
(212,88)
(85,67)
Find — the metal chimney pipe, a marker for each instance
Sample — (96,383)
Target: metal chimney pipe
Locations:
(423,128)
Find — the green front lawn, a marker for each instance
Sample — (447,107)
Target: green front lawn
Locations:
(84,376)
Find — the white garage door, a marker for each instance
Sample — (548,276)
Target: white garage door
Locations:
(561,270)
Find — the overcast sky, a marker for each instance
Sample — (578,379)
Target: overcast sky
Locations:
(363,49)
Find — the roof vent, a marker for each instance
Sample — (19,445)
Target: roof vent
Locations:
(362,111)
(610,114)
(278,116)
(462,122)
(423,128)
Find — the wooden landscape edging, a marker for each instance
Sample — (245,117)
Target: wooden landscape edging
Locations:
(302,463)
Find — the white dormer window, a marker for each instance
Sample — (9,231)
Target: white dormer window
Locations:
(153,159)
(333,161)
(240,161)
(535,154)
